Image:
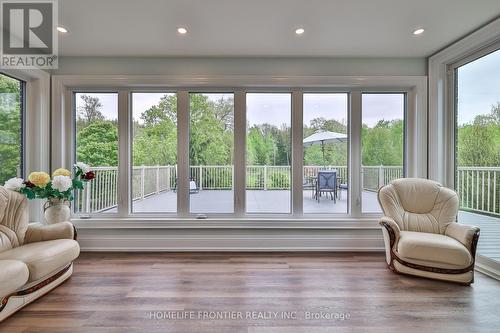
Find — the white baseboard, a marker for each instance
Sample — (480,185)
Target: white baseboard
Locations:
(488,267)
(261,240)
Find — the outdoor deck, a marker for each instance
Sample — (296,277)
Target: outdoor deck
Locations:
(259,201)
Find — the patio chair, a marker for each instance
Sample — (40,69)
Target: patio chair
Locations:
(193,187)
(309,184)
(327,183)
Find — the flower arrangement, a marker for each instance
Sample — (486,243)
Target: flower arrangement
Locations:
(39,185)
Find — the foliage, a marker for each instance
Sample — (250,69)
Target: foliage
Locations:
(478,142)
(97,144)
(10,123)
(383,144)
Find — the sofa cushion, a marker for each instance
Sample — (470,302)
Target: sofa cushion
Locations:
(13,275)
(44,258)
(434,249)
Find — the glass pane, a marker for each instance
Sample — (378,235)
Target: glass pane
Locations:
(97,145)
(211,145)
(382,141)
(325,153)
(154,152)
(477,179)
(268,153)
(10,128)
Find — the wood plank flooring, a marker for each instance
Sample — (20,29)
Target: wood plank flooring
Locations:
(309,292)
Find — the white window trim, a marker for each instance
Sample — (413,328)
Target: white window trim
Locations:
(441,114)
(416,159)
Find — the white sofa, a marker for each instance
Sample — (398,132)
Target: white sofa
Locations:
(421,234)
(34,258)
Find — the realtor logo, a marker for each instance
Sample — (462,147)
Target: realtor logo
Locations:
(29,35)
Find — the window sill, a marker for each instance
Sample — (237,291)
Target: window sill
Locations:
(226,223)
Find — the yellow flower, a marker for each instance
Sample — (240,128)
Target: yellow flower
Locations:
(39,178)
(61,172)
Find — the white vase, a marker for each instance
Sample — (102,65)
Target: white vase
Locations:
(56,210)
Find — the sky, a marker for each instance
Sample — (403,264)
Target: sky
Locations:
(273,108)
(478,89)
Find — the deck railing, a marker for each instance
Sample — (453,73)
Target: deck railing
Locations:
(478,187)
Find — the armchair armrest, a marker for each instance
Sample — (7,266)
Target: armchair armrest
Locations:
(467,235)
(392,228)
(38,232)
(391,232)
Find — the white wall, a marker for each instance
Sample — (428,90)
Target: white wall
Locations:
(242,66)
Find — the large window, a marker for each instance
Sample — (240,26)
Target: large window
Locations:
(154,152)
(97,145)
(325,181)
(477,178)
(207,154)
(268,171)
(11,128)
(382,141)
(211,138)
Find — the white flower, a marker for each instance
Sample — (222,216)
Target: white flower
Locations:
(82,166)
(14,184)
(61,183)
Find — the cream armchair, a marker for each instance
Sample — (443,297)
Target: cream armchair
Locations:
(34,258)
(421,234)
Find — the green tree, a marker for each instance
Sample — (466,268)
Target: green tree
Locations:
(10,127)
(478,142)
(97,144)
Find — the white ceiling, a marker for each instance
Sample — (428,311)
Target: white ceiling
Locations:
(334,28)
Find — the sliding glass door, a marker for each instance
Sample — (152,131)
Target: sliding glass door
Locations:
(477,138)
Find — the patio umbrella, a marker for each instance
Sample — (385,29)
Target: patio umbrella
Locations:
(320,138)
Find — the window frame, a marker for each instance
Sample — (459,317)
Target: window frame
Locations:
(239,86)
(405,94)
(452,71)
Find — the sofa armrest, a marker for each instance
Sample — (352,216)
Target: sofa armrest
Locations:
(467,235)
(38,232)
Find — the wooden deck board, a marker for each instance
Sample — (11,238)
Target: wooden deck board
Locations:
(116,292)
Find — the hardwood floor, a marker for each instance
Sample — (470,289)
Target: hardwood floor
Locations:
(135,292)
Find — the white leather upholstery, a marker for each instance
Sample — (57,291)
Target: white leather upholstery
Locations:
(433,249)
(420,231)
(38,232)
(44,258)
(30,254)
(13,219)
(13,275)
(419,204)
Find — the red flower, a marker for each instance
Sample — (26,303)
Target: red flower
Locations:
(89,175)
(29,184)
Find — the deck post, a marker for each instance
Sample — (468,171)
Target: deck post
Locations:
(142,182)
(265,177)
(157,179)
(201,178)
(380,176)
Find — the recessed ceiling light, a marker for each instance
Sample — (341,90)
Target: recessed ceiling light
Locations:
(419,31)
(182,30)
(299,31)
(62,29)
